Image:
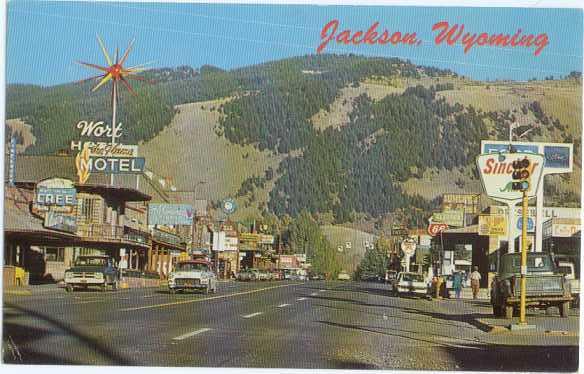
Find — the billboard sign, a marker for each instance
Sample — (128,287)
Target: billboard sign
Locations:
(265,239)
(496,174)
(60,222)
(492,225)
(170,214)
(453,217)
(558,156)
(399,231)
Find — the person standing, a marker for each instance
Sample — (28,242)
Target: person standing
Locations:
(475,281)
(457,283)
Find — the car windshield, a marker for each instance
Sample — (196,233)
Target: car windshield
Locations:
(534,263)
(412,278)
(191,267)
(91,261)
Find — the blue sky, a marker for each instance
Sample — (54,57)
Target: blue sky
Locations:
(45,38)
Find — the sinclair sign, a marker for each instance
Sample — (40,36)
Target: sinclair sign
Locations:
(496,172)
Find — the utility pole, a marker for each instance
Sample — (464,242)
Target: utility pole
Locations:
(523,285)
(195,211)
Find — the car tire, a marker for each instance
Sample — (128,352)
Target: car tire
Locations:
(69,288)
(564,309)
(103,287)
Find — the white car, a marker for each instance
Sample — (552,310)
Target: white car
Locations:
(192,275)
(343,276)
(410,283)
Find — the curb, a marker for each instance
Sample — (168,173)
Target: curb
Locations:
(491,328)
(18,292)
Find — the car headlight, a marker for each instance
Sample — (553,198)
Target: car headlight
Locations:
(99,275)
(204,281)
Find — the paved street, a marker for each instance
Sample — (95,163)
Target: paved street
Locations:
(272,324)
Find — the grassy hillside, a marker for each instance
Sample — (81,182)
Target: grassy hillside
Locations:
(339,236)
(190,150)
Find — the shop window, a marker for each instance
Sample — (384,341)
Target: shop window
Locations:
(54,254)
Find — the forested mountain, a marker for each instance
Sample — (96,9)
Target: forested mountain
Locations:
(353,169)
(356,168)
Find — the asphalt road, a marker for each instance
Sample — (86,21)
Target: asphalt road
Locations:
(343,325)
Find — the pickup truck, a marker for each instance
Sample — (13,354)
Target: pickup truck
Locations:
(92,271)
(567,268)
(546,286)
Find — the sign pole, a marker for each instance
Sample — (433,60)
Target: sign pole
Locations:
(114,112)
(522,320)
(511,227)
(538,247)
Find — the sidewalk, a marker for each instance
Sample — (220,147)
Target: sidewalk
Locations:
(466,294)
(551,324)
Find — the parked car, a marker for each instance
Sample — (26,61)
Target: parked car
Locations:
(546,286)
(370,277)
(92,271)
(247,275)
(277,275)
(410,283)
(263,275)
(192,275)
(343,276)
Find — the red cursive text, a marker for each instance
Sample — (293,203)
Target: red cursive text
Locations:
(371,36)
(454,34)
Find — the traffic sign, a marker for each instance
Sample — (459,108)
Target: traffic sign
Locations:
(229,206)
(408,246)
(436,228)
(530,224)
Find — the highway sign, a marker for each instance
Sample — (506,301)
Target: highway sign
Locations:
(229,206)
(436,228)
(530,224)
(408,246)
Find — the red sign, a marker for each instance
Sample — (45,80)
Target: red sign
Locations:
(436,228)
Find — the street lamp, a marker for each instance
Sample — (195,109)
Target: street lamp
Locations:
(195,210)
